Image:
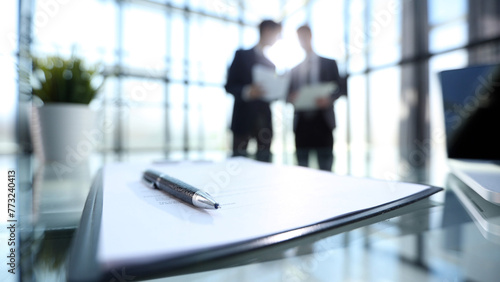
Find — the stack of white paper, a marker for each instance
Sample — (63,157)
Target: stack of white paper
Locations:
(141,224)
(307,96)
(274,86)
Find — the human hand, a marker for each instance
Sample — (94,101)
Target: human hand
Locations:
(292,97)
(255,92)
(323,102)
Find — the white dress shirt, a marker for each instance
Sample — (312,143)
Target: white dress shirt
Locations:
(309,69)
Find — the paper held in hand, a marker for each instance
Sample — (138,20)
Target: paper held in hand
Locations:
(275,86)
(306,98)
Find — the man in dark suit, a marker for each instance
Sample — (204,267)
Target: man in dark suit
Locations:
(251,114)
(313,128)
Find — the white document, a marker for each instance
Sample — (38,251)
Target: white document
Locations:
(140,224)
(306,98)
(275,86)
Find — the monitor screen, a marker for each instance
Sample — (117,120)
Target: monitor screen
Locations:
(471,100)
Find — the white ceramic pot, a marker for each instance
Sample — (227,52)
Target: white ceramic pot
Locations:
(63,132)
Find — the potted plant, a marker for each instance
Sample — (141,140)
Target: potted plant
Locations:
(62,123)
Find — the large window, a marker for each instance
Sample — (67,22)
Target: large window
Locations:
(372,50)
(166,63)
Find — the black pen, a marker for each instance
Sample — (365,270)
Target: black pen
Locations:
(179,189)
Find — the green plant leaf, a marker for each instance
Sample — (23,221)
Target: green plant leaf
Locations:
(61,80)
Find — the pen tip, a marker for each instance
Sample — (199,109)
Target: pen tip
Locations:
(216,206)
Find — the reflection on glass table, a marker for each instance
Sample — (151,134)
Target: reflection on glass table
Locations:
(438,239)
(486,215)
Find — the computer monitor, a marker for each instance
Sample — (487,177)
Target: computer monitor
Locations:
(471,100)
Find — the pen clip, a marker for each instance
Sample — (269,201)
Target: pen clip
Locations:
(147,182)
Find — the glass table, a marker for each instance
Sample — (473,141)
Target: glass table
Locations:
(452,236)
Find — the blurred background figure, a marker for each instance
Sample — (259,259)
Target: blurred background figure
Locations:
(251,115)
(166,64)
(313,128)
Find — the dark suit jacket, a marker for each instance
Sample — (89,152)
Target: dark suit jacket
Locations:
(328,72)
(247,115)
